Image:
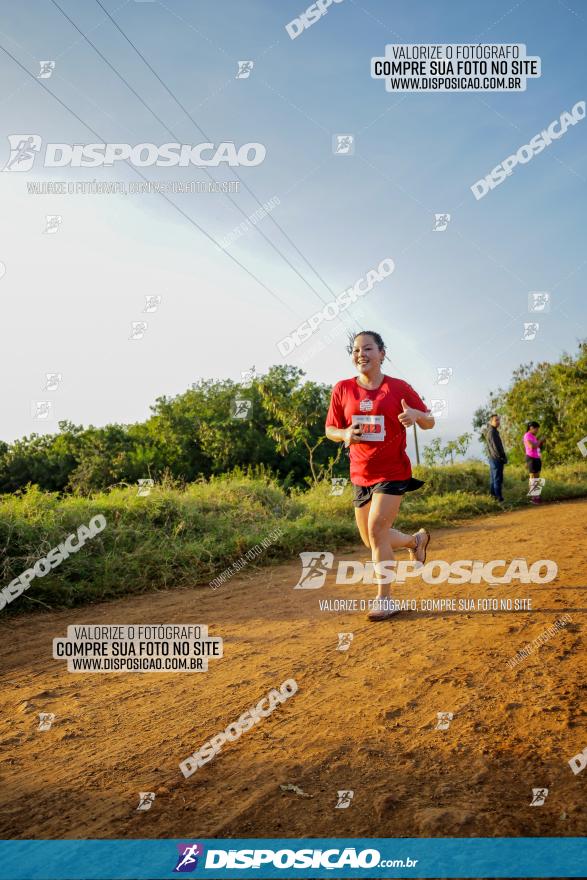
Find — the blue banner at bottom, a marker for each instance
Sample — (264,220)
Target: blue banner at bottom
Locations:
(288,858)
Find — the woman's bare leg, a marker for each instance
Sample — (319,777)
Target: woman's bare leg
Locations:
(382,514)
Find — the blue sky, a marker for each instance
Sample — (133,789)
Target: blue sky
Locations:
(456,298)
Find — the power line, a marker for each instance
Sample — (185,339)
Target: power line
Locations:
(176,138)
(142,176)
(203,133)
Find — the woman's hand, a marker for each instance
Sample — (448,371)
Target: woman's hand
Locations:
(409,415)
(353,434)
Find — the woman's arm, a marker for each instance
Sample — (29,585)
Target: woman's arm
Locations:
(410,415)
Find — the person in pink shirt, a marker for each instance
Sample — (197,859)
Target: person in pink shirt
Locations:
(533,446)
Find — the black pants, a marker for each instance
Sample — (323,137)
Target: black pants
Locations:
(496,478)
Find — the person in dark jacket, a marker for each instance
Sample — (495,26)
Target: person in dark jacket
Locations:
(497,457)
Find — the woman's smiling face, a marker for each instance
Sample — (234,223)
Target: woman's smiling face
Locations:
(366,354)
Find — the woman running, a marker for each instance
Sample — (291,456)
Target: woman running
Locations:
(533,447)
(370,414)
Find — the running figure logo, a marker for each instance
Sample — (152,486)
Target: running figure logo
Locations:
(539,795)
(152,303)
(444,719)
(344,800)
(344,641)
(439,408)
(53,381)
(338,485)
(315,566)
(146,799)
(145,487)
(240,408)
(46,719)
(187,860)
(536,487)
(343,144)
(138,329)
(441,222)
(42,409)
(248,377)
(47,68)
(443,375)
(52,223)
(244,69)
(23,148)
(530,331)
(538,301)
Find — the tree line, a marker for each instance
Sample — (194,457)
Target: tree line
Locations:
(275,421)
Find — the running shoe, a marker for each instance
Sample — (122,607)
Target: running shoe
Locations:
(419,553)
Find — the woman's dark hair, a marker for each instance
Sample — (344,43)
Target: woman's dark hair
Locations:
(532,425)
(376,338)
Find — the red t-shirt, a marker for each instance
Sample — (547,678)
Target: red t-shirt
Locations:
(384,457)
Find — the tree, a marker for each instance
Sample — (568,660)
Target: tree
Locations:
(299,411)
(435,453)
(555,395)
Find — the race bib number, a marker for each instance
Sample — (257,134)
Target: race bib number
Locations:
(372,428)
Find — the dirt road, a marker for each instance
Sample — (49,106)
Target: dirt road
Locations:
(363,720)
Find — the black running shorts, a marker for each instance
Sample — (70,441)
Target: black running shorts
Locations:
(363,494)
